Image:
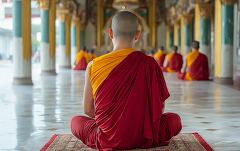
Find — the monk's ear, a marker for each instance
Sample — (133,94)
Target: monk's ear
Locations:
(137,35)
(110,33)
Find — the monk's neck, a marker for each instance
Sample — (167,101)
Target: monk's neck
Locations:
(121,46)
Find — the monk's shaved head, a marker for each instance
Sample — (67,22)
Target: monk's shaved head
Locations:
(124,25)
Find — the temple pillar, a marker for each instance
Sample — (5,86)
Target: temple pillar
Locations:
(177,34)
(99,23)
(82,38)
(205,30)
(171,37)
(152,22)
(75,38)
(188,32)
(224,41)
(65,40)
(22,42)
(48,44)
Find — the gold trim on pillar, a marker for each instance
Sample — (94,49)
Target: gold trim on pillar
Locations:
(99,22)
(68,35)
(197,22)
(44,4)
(176,27)
(52,28)
(78,30)
(26,29)
(152,22)
(218,36)
(182,34)
(61,14)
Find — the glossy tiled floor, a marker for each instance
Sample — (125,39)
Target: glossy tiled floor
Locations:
(29,115)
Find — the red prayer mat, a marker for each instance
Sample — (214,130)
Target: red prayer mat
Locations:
(182,142)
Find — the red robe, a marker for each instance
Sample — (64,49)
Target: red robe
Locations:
(175,63)
(129,104)
(128,108)
(198,70)
(81,65)
(160,61)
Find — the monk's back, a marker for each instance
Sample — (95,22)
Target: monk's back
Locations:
(176,62)
(199,69)
(123,102)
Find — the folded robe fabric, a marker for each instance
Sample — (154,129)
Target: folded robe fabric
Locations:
(128,100)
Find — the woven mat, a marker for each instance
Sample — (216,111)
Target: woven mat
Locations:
(182,142)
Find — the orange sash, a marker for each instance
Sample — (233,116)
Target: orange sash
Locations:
(191,57)
(79,56)
(158,54)
(102,66)
(169,57)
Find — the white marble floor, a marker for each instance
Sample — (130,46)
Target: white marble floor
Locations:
(29,115)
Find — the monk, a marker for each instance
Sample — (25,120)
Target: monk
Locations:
(160,56)
(196,67)
(91,54)
(173,61)
(81,60)
(124,96)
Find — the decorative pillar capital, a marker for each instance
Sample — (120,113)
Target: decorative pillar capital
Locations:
(43,4)
(61,14)
(228,2)
(177,23)
(205,10)
(75,20)
(188,18)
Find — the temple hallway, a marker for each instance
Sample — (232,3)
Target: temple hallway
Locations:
(29,115)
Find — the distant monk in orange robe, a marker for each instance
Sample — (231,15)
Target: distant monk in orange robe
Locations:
(91,54)
(160,56)
(173,61)
(81,60)
(196,67)
(124,96)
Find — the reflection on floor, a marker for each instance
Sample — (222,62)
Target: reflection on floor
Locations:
(30,115)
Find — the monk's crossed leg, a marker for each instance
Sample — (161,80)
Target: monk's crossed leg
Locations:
(85,129)
(170,126)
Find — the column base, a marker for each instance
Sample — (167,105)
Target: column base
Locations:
(226,81)
(65,67)
(48,73)
(22,81)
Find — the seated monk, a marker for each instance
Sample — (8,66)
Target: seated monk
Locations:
(160,56)
(93,54)
(173,61)
(81,60)
(196,67)
(124,96)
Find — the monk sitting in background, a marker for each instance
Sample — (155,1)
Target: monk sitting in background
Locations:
(160,56)
(81,60)
(173,61)
(124,96)
(91,54)
(196,67)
